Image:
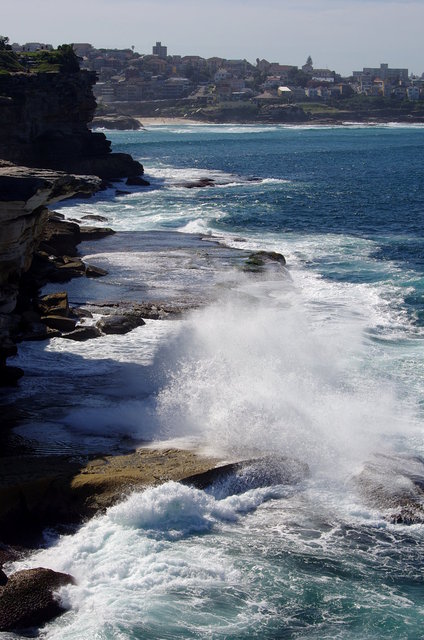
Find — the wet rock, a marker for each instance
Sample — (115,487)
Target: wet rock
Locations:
(137,181)
(257,261)
(122,123)
(95,272)
(55,304)
(97,218)
(59,322)
(394,484)
(119,324)
(68,270)
(27,599)
(60,237)
(81,334)
(78,312)
(120,192)
(95,233)
(198,184)
(238,477)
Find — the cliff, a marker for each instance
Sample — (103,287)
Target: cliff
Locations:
(24,192)
(43,123)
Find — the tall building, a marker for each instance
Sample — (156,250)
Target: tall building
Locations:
(159,50)
(384,72)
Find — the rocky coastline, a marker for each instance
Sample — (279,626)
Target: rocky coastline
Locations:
(48,154)
(38,246)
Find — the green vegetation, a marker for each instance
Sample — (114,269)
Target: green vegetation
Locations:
(9,61)
(60,60)
(320,108)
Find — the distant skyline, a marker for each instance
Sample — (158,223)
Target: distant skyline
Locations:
(344,35)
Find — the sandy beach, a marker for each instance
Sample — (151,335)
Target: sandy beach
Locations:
(152,122)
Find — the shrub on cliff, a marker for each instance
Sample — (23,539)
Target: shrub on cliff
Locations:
(8,58)
(63,59)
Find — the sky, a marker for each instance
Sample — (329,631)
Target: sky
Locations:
(343,35)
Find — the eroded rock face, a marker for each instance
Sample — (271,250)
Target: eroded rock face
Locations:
(43,123)
(123,123)
(24,192)
(27,599)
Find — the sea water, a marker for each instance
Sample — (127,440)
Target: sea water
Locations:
(320,364)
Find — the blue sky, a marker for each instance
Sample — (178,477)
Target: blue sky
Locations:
(340,34)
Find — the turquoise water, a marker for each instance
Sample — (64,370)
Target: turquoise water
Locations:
(323,365)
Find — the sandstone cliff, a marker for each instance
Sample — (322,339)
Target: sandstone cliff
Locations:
(43,123)
(24,192)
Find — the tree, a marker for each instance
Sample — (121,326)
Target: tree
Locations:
(4,44)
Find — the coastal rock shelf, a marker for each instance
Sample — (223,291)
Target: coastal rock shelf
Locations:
(36,491)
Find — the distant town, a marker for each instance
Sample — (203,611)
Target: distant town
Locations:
(186,85)
(125,75)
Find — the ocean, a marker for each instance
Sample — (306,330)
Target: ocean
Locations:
(319,364)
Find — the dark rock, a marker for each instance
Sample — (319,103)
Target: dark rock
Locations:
(3,578)
(52,132)
(95,272)
(197,184)
(92,216)
(39,331)
(27,599)
(77,312)
(256,261)
(122,123)
(80,334)
(60,237)
(119,324)
(67,271)
(120,192)
(30,317)
(137,181)
(9,376)
(95,233)
(59,322)
(55,304)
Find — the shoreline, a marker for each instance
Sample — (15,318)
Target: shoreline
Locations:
(169,121)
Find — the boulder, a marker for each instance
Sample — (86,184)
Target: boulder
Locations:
(119,324)
(27,599)
(39,331)
(95,233)
(256,261)
(197,184)
(121,122)
(81,334)
(3,578)
(59,322)
(92,216)
(137,181)
(68,270)
(78,312)
(60,237)
(95,272)
(54,304)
